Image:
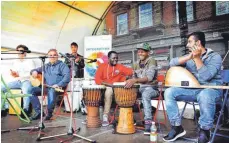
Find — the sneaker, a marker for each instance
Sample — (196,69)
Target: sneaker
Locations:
(84,122)
(4,112)
(36,116)
(148,124)
(105,121)
(204,136)
(175,133)
(26,112)
(135,122)
(48,117)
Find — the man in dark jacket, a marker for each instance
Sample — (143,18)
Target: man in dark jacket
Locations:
(79,61)
(56,74)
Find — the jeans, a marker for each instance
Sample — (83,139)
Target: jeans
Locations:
(147,94)
(25,86)
(206,98)
(51,93)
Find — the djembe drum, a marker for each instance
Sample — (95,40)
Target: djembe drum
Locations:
(125,98)
(92,96)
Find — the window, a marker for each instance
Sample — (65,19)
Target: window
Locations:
(122,24)
(189,9)
(145,15)
(222,7)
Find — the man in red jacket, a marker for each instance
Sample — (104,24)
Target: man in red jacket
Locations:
(109,73)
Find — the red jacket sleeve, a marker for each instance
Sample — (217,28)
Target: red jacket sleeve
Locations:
(127,71)
(98,75)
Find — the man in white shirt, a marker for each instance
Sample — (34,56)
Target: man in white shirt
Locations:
(21,72)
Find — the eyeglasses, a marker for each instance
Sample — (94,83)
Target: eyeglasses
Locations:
(52,55)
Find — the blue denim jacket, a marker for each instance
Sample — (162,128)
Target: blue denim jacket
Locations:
(209,73)
(58,73)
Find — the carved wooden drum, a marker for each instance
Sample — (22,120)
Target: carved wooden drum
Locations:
(125,98)
(92,96)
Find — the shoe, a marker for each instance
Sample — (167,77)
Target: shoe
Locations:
(84,122)
(147,125)
(105,121)
(135,122)
(4,112)
(175,133)
(26,112)
(48,117)
(204,136)
(36,116)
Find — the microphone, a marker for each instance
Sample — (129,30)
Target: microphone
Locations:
(25,51)
(92,61)
(63,55)
(70,55)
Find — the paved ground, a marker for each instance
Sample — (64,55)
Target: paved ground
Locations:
(101,135)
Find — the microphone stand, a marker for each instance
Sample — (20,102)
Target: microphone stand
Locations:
(14,52)
(71,131)
(73,56)
(41,125)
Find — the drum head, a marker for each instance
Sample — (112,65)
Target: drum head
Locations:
(93,87)
(122,84)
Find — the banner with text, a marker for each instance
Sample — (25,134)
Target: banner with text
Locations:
(96,47)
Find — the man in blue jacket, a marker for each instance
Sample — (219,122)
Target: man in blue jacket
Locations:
(205,65)
(56,74)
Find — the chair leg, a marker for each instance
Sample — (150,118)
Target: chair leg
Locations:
(165,116)
(155,115)
(220,115)
(140,112)
(61,103)
(59,108)
(183,110)
(194,108)
(113,116)
(158,105)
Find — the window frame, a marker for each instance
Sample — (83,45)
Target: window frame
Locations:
(117,34)
(215,9)
(139,20)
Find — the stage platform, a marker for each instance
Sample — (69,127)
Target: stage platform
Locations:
(101,135)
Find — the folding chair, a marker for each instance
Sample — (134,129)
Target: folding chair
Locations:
(65,94)
(225,78)
(9,94)
(161,80)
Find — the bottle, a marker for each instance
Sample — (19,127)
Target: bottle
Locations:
(153,133)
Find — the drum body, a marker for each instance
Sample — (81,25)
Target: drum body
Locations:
(92,96)
(125,98)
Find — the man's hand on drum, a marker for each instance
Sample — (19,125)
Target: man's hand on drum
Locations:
(130,83)
(34,74)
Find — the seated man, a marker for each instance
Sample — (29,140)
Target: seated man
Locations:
(145,75)
(56,74)
(109,73)
(21,72)
(205,64)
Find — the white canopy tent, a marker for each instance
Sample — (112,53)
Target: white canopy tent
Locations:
(42,25)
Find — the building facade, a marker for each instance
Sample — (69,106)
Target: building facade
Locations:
(132,23)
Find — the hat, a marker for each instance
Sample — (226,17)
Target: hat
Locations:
(144,46)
